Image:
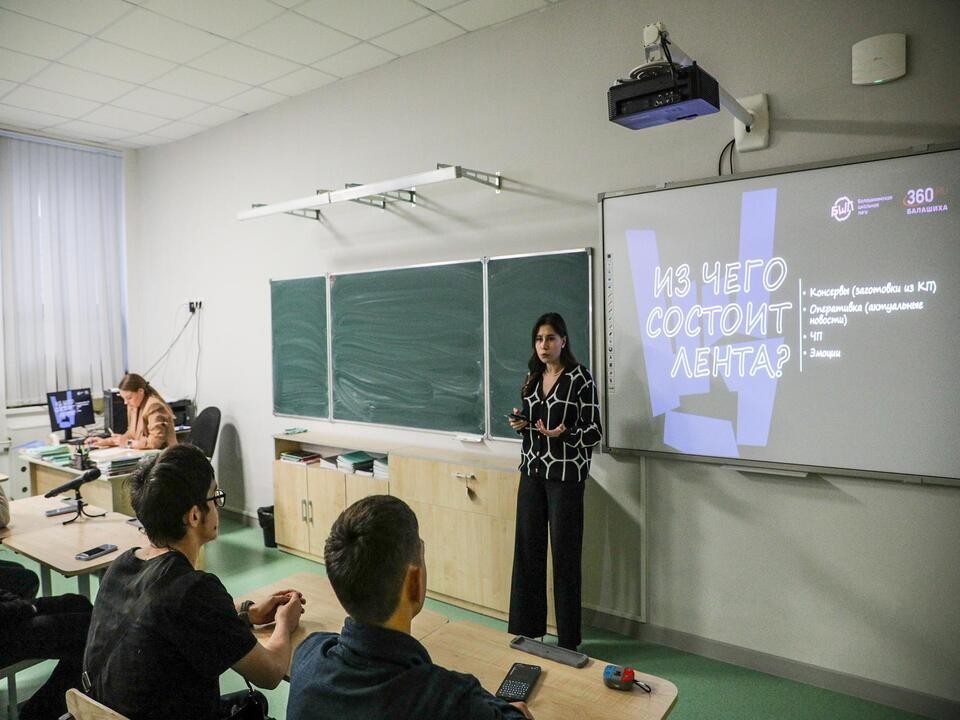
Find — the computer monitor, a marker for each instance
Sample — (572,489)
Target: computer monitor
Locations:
(69,409)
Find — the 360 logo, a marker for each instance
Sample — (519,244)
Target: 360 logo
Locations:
(842,208)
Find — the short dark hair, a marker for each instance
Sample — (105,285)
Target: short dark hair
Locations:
(165,487)
(367,554)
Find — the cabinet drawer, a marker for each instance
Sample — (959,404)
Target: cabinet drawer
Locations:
(456,486)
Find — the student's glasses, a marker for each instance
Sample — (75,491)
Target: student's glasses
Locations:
(219,498)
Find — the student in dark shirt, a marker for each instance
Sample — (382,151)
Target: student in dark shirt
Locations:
(374,669)
(162,632)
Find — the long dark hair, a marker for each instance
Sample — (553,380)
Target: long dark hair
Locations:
(535,365)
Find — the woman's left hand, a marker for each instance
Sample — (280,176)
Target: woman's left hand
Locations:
(556,432)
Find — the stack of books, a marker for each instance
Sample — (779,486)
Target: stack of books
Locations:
(381,470)
(56,454)
(118,461)
(355,461)
(301,457)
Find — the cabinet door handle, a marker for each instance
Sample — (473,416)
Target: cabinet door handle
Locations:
(303,510)
(464,476)
(310,506)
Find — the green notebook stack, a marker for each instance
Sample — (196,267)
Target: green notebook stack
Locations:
(56,454)
(354,461)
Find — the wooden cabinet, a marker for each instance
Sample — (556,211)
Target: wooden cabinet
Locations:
(465,503)
(466,506)
(307,500)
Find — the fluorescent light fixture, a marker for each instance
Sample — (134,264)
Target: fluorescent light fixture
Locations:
(408,182)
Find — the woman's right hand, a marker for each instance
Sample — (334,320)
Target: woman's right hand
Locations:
(517,424)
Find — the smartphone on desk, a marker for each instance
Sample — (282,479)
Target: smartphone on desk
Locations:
(519,682)
(95,552)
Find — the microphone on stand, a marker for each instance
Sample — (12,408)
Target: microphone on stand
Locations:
(88,476)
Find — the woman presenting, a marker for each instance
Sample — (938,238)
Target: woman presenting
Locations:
(560,425)
(150,423)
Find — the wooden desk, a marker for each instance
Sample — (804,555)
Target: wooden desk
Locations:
(323,612)
(561,692)
(110,493)
(26,514)
(52,544)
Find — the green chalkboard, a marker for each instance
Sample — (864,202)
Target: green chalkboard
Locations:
(299,328)
(520,289)
(408,347)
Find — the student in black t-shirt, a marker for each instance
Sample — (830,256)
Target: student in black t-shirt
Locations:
(162,632)
(374,669)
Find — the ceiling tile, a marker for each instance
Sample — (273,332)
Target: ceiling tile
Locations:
(88,130)
(27,118)
(18,67)
(254,100)
(362,18)
(115,61)
(228,18)
(154,102)
(300,81)
(46,101)
(213,115)
(178,130)
(297,38)
(438,4)
(244,64)
(36,37)
(82,83)
(157,35)
(432,30)
(6,86)
(146,140)
(124,119)
(88,17)
(475,14)
(355,60)
(198,85)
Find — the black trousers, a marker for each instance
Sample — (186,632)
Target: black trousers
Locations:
(18,580)
(557,506)
(58,631)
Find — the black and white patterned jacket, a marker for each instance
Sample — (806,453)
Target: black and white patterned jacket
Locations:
(572,401)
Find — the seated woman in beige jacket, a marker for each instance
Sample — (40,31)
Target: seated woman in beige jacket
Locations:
(150,423)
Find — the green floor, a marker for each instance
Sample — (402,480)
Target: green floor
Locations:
(708,689)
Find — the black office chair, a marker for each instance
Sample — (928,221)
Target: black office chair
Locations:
(204,430)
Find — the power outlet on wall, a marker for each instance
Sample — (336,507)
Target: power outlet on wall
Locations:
(194,305)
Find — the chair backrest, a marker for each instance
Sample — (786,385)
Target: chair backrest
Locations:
(204,430)
(83,707)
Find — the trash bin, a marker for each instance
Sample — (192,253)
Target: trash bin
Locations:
(265,517)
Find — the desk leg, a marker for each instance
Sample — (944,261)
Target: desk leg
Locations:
(45,584)
(83,585)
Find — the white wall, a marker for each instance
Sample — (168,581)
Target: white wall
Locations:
(853,575)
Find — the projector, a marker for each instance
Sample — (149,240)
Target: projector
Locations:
(663,93)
